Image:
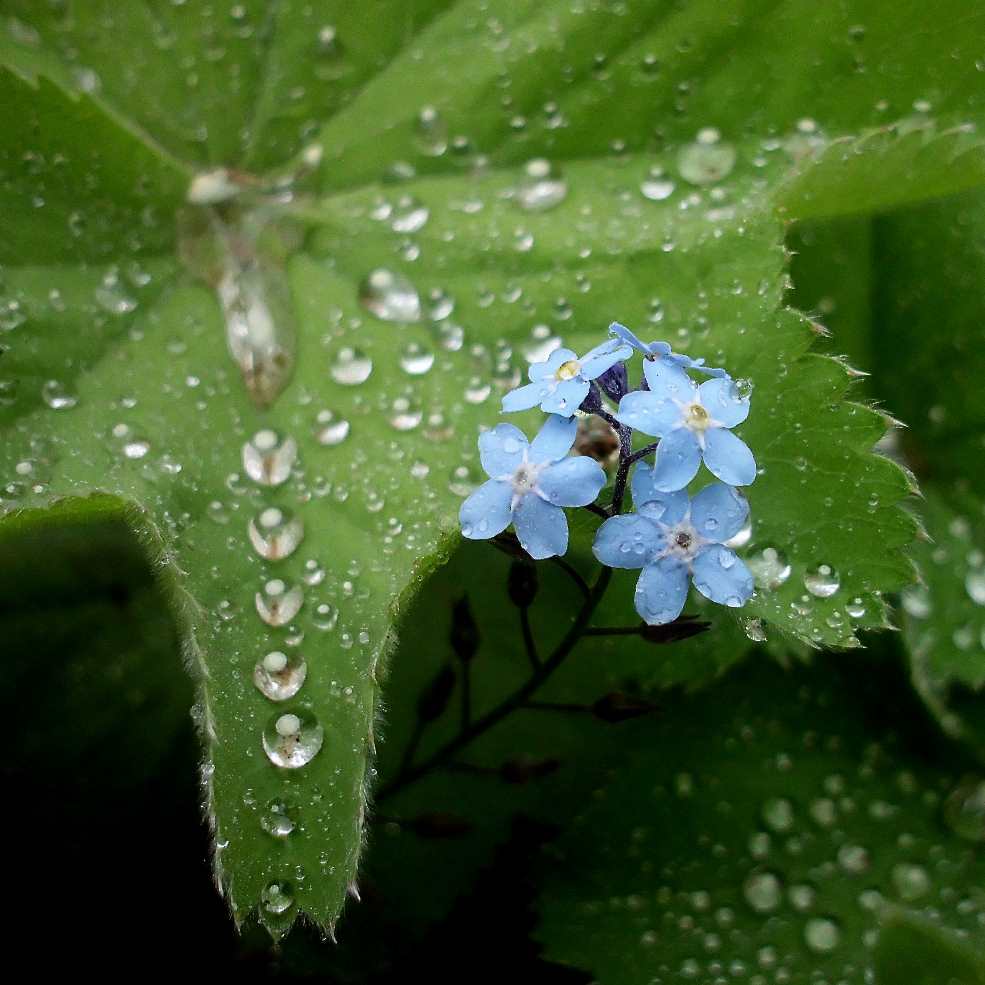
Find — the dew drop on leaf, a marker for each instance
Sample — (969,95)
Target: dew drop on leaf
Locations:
(351,366)
(277,897)
(541,187)
(822,581)
(268,457)
(276,820)
(278,603)
(292,739)
(275,533)
(390,296)
(707,160)
(279,676)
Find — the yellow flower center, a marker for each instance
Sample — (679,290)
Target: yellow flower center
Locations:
(568,370)
(697,417)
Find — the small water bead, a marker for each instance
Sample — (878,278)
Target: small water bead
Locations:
(275,534)
(405,413)
(325,616)
(314,573)
(293,739)
(911,881)
(541,187)
(916,602)
(974,584)
(279,676)
(853,859)
(754,629)
(770,568)
(822,934)
(707,160)
(390,296)
(822,581)
(802,896)
(464,480)
(477,390)
(277,604)
(135,448)
(277,897)
(330,429)
(778,814)
(430,132)
(964,809)
(276,819)
(268,457)
(416,359)
(351,366)
(856,608)
(449,336)
(57,396)
(763,891)
(657,186)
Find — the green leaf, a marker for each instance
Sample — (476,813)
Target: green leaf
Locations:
(912,951)
(766,824)
(119,379)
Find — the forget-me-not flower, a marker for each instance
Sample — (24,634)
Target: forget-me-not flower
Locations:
(529,483)
(661,350)
(674,538)
(692,422)
(562,381)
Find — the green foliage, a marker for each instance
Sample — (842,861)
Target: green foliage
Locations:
(378,203)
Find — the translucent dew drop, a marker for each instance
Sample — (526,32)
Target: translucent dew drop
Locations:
(430,132)
(707,160)
(656,186)
(57,396)
(541,187)
(351,366)
(409,215)
(390,296)
(279,676)
(405,413)
(911,881)
(278,603)
(292,739)
(778,814)
(330,429)
(276,819)
(275,533)
(770,568)
(822,934)
(268,457)
(964,809)
(763,891)
(416,359)
(822,581)
(277,897)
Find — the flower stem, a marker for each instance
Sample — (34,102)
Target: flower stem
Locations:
(409,774)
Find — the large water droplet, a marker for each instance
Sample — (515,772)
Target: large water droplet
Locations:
(279,676)
(330,430)
(275,534)
(542,186)
(416,359)
(770,567)
(269,457)
(430,132)
(57,396)
(278,603)
(822,934)
(292,739)
(706,161)
(351,366)
(822,581)
(276,819)
(277,897)
(390,296)
(763,891)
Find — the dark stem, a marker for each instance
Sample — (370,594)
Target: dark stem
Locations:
(643,452)
(622,475)
(597,510)
(573,575)
(529,643)
(450,750)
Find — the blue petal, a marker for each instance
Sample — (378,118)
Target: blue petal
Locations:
(542,528)
(603,357)
(572,482)
(718,512)
(666,379)
(661,591)
(566,397)
(728,457)
(554,440)
(501,450)
(525,397)
(668,507)
(722,401)
(649,413)
(627,541)
(628,336)
(721,576)
(487,511)
(546,369)
(677,460)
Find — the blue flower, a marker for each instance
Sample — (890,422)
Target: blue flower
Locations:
(674,538)
(529,483)
(662,350)
(693,423)
(561,382)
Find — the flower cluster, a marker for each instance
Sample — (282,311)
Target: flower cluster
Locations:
(672,537)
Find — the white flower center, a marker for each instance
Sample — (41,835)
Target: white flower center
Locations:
(696,417)
(525,478)
(568,370)
(683,542)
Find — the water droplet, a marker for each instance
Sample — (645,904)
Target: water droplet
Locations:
(292,739)
(330,430)
(57,396)
(541,187)
(276,819)
(706,161)
(821,934)
(269,457)
(277,604)
(416,359)
(822,581)
(974,584)
(770,568)
(916,602)
(277,897)
(754,629)
(279,676)
(390,296)
(408,216)
(325,616)
(763,891)
(778,814)
(853,859)
(430,132)
(964,809)
(657,186)
(405,413)
(275,534)
(351,366)
(911,881)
